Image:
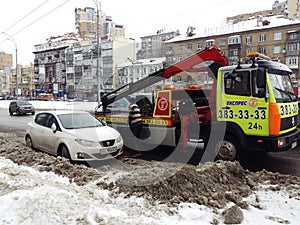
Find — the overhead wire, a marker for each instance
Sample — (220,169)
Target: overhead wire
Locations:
(38,19)
(46,14)
(28,14)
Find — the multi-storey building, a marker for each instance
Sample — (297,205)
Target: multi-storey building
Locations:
(293,9)
(49,64)
(86,24)
(5,60)
(5,75)
(152,45)
(26,85)
(275,36)
(135,70)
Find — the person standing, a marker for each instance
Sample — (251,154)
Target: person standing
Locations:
(135,124)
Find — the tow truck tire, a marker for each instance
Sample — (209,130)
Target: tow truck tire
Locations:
(227,149)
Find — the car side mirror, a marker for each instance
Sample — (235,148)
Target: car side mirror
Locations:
(53,127)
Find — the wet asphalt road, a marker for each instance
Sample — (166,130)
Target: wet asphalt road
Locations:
(283,162)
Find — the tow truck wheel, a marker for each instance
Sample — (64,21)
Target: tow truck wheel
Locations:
(226,149)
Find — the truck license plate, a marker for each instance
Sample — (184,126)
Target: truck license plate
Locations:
(294,144)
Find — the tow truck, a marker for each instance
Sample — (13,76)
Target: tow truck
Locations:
(250,107)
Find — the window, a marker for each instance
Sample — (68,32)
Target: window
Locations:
(222,43)
(293,36)
(233,52)
(276,49)
(210,42)
(277,36)
(180,48)
(292,47)
(262,38)
(262,50)
(248,39)
(292,61)
(234,39)
(238,83)
(199,46)
(190,47)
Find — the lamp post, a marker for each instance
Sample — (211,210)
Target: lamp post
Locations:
(10,38)
(97,69)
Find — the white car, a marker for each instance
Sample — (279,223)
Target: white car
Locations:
(78,136)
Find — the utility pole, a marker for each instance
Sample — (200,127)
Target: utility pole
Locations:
(98,55)
(10,38)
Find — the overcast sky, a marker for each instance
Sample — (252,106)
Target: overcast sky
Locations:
(31,22)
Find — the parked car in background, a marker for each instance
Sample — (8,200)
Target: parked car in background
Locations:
(78,136)
(45,97)
(20,107)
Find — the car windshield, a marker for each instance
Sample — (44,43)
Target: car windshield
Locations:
(78,120)
(283,88)
(23,103)
(121,103)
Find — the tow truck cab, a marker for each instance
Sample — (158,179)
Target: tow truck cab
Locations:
(258,103)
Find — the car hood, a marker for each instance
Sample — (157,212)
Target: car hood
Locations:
(95,134)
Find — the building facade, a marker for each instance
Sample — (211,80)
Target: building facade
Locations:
(130,72)
(274,36)
(50,66)
(152,46)
(86,25)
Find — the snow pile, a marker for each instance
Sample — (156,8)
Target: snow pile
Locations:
(41,189)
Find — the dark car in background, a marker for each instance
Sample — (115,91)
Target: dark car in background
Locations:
(20,107)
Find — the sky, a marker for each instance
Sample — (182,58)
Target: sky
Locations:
(31,22)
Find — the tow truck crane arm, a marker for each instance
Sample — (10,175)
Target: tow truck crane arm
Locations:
(210,53)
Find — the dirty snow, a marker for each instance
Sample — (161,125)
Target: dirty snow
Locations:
(36,188)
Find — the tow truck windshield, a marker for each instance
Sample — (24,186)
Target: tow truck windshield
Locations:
(283,88)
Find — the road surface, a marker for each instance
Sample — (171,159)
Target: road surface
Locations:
(283,162)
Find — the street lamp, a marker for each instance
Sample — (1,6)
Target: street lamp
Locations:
(10,38)
(97,69)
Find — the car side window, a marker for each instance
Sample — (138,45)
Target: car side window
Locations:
(51,119)
(41,119)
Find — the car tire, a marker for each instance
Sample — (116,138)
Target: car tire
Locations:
(11,112)
(28,142)
(18,113)
(64,152)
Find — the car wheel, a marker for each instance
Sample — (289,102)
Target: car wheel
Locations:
(64,152)
(11,112)
(18,113)
(28,141)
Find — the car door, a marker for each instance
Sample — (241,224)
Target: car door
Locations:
(49,139)
(38,128)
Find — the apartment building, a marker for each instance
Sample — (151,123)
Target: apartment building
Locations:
(130,72)
(152,46)
(86,24)
(5,75)
(26,86)
(275,36)
(49,64)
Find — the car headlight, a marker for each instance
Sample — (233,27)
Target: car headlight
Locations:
(87,143)
(119,139)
